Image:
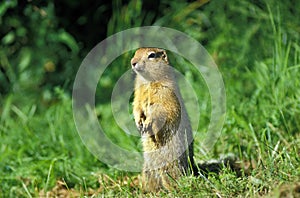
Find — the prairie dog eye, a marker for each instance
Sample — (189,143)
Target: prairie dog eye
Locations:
(151,55)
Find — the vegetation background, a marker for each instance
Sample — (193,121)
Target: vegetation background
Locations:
(255,43)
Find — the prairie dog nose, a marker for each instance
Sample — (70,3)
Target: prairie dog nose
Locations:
(133,62)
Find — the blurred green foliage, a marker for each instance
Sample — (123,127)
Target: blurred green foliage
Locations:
(36,54)
(43,42)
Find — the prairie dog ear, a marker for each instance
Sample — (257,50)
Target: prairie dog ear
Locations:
(165,56)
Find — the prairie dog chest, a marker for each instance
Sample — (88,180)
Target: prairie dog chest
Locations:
(149,95)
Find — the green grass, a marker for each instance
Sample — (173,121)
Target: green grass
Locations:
(257,49)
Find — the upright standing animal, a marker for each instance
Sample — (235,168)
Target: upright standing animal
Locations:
(162,120)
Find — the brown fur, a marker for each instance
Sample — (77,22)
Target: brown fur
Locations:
(162,120)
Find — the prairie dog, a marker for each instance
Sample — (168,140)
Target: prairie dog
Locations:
(162,120)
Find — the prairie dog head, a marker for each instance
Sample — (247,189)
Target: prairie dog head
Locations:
(151,63)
